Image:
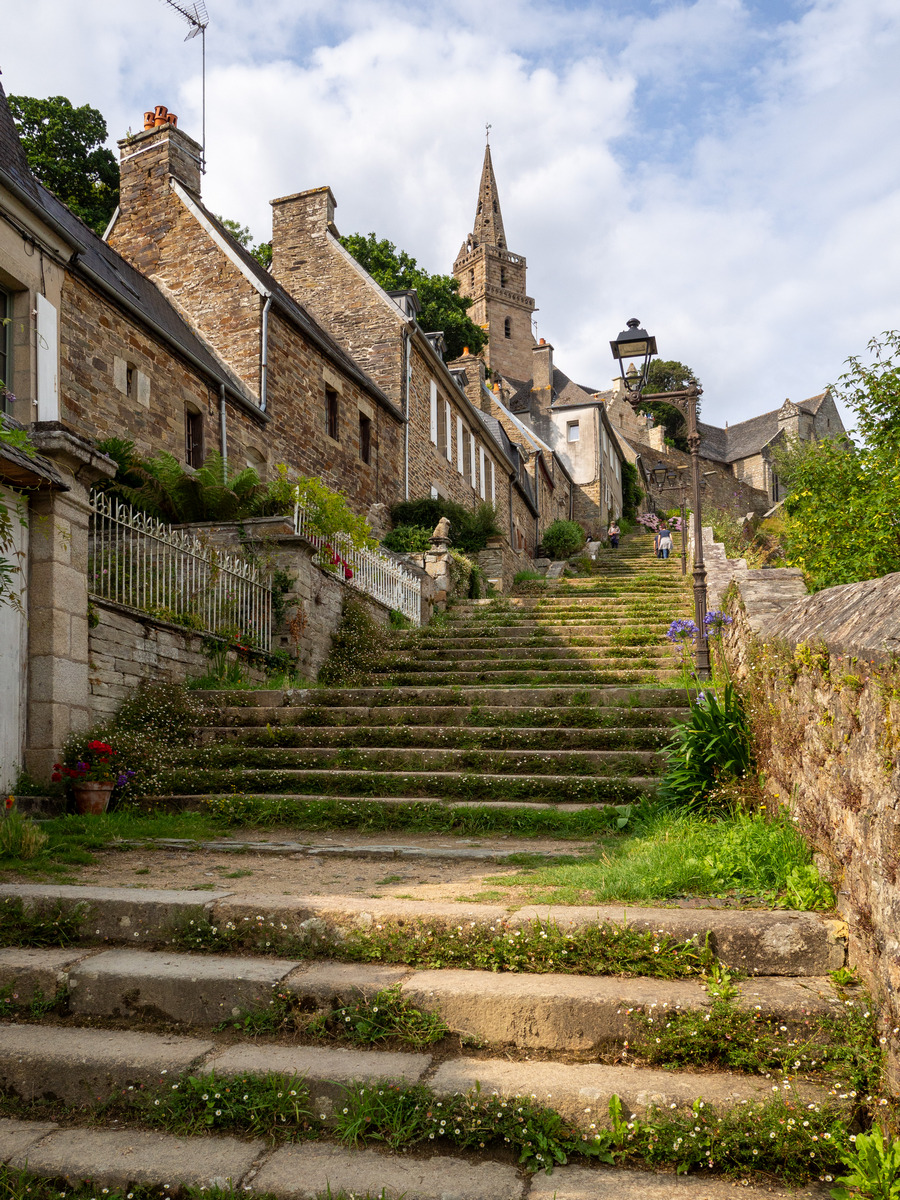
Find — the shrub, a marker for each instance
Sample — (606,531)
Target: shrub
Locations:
(357,648)
(563,538)
(713,743)
(469,530)
(408,539)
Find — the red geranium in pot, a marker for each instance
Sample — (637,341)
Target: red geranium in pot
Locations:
(92,773)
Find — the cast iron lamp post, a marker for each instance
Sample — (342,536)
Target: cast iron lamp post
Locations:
(637,346)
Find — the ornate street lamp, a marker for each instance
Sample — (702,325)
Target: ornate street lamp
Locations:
(636,346)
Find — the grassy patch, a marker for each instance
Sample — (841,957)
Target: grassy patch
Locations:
(272,1106)
(54,926)
(686,855)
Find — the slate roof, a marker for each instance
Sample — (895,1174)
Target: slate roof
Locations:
(501,437)
(104,266)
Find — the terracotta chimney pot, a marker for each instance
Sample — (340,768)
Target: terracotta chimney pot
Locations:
(173,120)
(160,115)
(149,119)
(542,342)
(465,351)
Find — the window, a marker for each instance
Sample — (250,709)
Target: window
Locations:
(490,493)
(331,414)
(448,418)
(365,438)
(5,355)
(481,460)
(503,276)
(193,437)
(618,469)
(573,431)
(434,413)
(507,328)
(443,429)
(465,455)
(129,380)
(605,441)
(471,279)
(473,463)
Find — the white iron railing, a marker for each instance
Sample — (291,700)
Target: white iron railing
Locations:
(139,561)
(368,571)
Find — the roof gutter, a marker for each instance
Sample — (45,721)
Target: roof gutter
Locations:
(29,201)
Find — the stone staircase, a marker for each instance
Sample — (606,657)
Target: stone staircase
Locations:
(554,703)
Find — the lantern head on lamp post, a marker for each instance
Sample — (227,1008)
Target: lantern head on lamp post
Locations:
(633,345)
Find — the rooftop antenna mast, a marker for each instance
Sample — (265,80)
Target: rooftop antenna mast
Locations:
(198,18)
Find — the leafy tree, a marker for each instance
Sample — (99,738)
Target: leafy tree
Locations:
(666,375)
(442,306)
(469,531)
(262,251)
(843,511)
(631,490)
(64,148)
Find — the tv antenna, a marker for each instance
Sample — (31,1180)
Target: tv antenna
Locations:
(198,18)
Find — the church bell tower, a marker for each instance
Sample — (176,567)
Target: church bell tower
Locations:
(495,280)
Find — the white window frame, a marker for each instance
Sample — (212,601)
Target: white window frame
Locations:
(573,427)
(473,462)
(460,448)
(448,419)
(47,360)
(434,412)
(481,477)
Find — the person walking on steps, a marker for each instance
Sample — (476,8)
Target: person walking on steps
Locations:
(663,542)
(613,534)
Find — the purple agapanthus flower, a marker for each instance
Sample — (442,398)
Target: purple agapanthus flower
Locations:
(683,630)
(716,622)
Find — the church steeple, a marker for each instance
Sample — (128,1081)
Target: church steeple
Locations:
(488,228)
(494,279)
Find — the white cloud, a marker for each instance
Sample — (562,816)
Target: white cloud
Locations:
(731,177)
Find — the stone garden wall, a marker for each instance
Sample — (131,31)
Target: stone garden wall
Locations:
(822,682)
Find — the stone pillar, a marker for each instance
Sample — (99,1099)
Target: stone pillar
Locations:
(437,562)
(58,684)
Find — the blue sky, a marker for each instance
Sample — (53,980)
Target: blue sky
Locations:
(727,170)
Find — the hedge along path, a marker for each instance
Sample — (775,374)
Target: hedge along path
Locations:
(550,705)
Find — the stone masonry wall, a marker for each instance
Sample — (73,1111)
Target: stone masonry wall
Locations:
(822,685)
(722,489)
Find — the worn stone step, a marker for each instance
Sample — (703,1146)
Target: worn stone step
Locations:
(482,717)
(469,785)
(550,678)
(558,1014)
(415,735)
(310,1170)
(360,801)
(757,941)
(514,761)
(611,696)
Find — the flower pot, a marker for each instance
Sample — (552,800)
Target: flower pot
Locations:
(91,796)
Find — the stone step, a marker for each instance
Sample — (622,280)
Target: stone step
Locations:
(405,677)
(421,736)
(561,657)
(500,697)
(482,717)
(173,800)
(558,1013)
(453,785)
(756,941)
(436,759)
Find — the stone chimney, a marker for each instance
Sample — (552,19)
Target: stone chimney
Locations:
(542,367)
(299,225)
(147,161)
(475,376)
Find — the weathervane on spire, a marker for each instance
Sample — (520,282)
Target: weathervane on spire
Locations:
(487,132)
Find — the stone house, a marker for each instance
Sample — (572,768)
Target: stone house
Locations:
(449,450)
(740,454)
(563,427)
(298,397)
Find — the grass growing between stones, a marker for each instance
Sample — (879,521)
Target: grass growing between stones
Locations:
(686,854)
(538,948)
(23,1185)
(55,926)
(842,1050)
(367,1020)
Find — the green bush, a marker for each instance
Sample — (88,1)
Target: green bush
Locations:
(562,539)
(357,648)
(408,539)
(713,743)
(469,530)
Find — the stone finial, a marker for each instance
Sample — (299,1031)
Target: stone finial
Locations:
(440,539)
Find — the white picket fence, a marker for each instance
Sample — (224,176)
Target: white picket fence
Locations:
(375,574)
(142,562)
